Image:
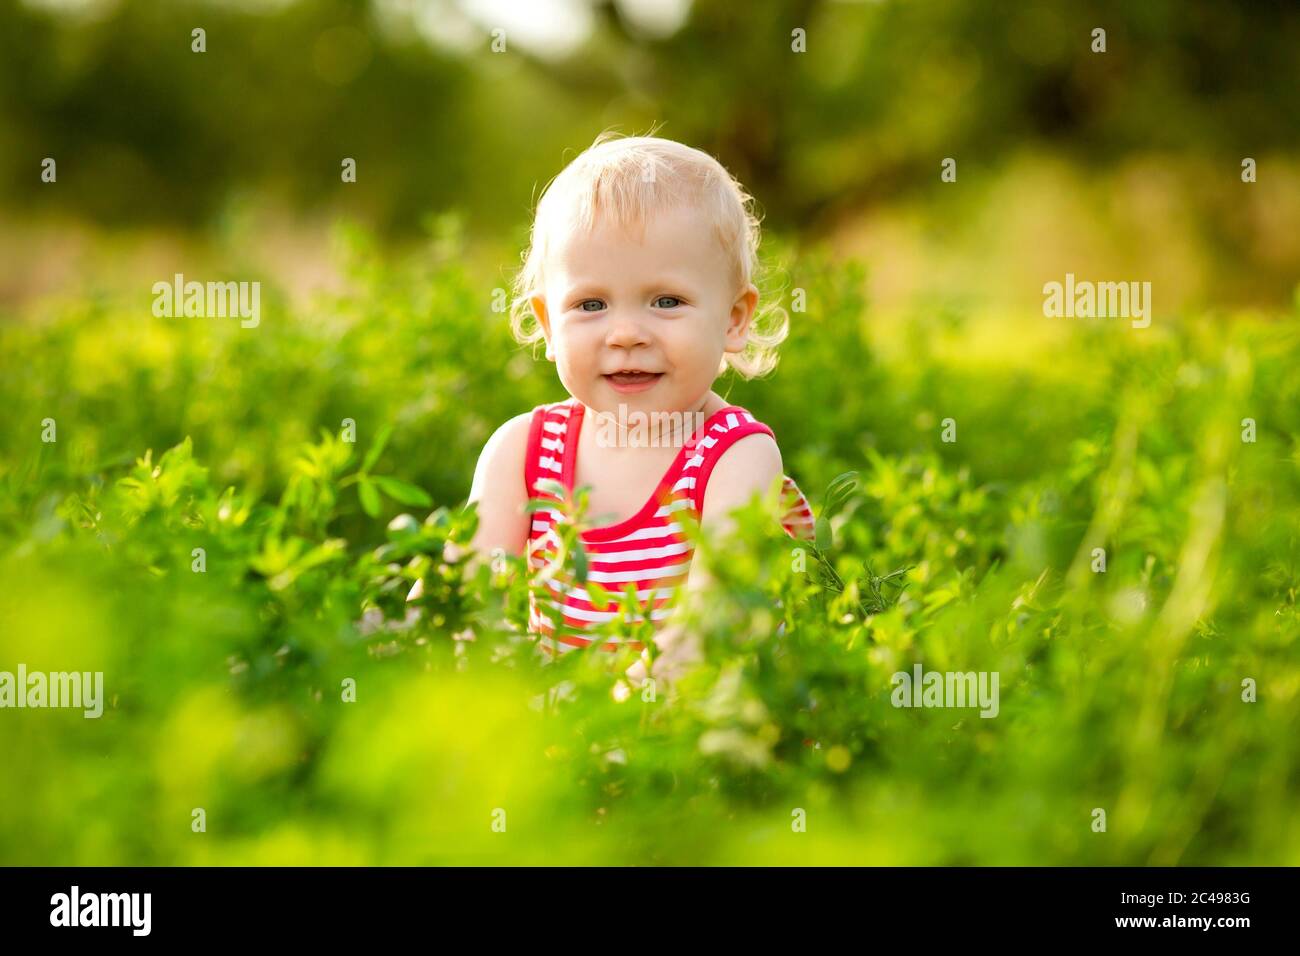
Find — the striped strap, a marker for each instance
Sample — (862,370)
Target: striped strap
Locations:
(547,435)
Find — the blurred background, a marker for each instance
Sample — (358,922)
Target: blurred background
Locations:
(1121,690)
(1123,162)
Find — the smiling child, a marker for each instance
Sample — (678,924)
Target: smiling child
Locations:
(639,278)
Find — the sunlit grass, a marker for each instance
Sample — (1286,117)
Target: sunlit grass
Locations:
(1120,690)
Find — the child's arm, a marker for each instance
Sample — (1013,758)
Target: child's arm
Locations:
(751,466)
(498,488)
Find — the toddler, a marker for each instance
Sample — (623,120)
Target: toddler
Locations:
(639,278)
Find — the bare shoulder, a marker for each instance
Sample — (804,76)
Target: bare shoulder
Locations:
(499,492)
(505,451)
(751,466)
(753,450)
(513,431)
(499,488)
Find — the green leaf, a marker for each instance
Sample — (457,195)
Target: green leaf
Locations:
(403,491)
(599,596)
(580,563)
(402,526)
(840,490)
(323,553)
(377,448)
(552,487)
(369,497)
(824,537)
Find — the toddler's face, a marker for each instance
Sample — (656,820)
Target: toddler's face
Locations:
(643,323)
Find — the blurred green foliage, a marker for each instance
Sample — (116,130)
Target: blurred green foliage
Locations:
(226,689)
(150,132)
(1120,690)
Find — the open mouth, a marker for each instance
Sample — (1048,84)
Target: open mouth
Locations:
(633,381)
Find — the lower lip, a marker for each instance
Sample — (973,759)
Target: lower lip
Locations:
(629,387)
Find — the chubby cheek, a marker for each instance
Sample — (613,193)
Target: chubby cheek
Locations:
(576,361)
(576,349)
(696,355)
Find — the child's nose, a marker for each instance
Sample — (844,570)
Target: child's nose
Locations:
(626,330)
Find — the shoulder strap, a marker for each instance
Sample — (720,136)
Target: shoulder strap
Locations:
(725,427)
(547,440)
(734,424)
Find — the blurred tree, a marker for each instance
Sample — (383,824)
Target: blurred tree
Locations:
(147,130)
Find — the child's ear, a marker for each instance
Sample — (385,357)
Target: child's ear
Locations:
(740,317)
(538,302)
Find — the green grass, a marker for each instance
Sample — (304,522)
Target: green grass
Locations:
(1120,690)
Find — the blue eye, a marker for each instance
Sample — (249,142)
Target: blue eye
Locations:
(582,306)
(675,302)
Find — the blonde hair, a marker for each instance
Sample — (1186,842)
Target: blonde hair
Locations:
(631,176)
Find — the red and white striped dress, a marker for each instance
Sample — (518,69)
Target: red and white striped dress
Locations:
(648,549)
